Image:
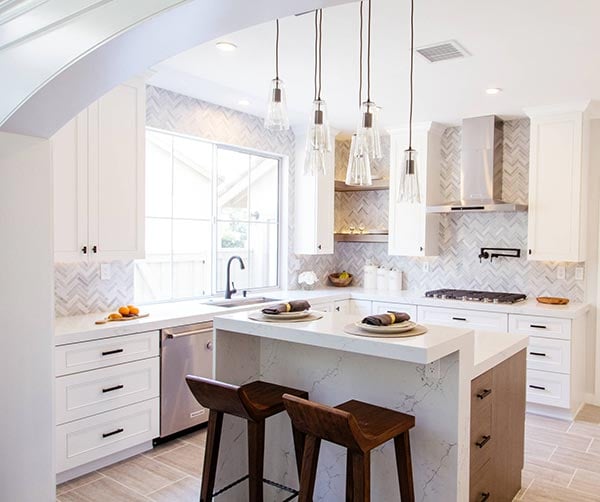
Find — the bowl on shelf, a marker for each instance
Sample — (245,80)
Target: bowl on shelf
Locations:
(335,280)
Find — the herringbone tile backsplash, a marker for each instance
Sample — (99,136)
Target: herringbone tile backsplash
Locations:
(79,289)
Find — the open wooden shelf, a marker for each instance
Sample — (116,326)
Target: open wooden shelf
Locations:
(360,237)
(340,186)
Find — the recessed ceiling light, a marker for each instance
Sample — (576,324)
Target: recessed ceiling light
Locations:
(244,102)
(493,90)
(226,46)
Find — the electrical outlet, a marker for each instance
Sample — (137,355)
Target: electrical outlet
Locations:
(105,272)
(432,370)
(425,266)
(579,273)
(560,272)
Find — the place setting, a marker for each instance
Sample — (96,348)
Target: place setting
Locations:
(293,311)
(388,325)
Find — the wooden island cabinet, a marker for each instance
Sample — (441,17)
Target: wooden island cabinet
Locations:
(498,430)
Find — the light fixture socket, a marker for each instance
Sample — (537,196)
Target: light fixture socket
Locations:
(318,117)
(410,161)
(276,95)
(367,120)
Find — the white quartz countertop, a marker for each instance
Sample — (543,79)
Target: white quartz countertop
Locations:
(328,333)
(82,328)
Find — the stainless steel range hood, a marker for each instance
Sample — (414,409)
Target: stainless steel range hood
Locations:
(481,170)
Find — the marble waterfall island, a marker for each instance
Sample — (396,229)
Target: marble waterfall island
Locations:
(428,376)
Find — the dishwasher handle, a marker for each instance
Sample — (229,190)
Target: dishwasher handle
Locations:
(188,333)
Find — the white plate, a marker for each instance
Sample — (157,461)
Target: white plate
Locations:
(399,327)
(288,315)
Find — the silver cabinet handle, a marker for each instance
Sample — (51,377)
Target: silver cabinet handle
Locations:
(189,333)
(209,345)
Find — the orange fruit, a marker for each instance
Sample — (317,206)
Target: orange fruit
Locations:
(123,310)
(133,310)
(115,315)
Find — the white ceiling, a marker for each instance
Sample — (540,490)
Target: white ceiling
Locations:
(540,52)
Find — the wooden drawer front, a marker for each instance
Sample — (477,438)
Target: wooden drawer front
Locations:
(548,388)
(481,393)
(95,437)
(482,441)
(93,392)
(548,354)
(482,484)
(491,321)
(546,327)
(106,352)
(383,307)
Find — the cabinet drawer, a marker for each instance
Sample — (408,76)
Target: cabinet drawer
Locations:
(491,321)
(482,484)
(481,393)
(106,352)
(482,440)
(546,327)
(548,354)
(322,307)
(548,388)
(95,437)
(383,307)
(85,394)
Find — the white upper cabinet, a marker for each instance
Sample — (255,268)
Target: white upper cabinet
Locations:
(558,173)
(412,231)
(99,179)
(314,205)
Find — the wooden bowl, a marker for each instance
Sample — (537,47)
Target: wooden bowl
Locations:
(552,300)
(335,280)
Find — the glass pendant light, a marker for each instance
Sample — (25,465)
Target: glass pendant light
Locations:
(369,110)
(318,139)
(277,118)
(358,171)
(408,189)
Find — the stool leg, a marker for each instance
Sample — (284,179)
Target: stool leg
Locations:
(256,454)
(361,476)
(299,439)
(309,468)
(211,453)
(404,466)
(349,479)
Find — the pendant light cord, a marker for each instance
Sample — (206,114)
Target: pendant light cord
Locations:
(318,43)
(369,54)
(277,50)
(360,59)
(412,52)
(320,49)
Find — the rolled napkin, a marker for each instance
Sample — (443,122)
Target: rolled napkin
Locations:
(386,319)
(295,306)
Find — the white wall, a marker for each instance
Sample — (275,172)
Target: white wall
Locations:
(26,309)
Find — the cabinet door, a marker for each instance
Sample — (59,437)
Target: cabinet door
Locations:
(116,174)
(555,178)
(69,159)
(313,206)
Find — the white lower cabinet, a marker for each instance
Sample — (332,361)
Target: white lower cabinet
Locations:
(98,436)
(352,307)
(107,398)
(476,319)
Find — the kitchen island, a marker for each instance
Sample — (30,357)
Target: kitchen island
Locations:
(428,376)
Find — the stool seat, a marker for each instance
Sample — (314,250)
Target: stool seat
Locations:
(377,424)
(254,402)
(360,427)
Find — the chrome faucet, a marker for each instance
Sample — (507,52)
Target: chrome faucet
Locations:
(230,288)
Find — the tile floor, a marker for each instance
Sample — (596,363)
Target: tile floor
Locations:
(562,464)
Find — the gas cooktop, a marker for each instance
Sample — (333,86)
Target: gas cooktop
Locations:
(475,296)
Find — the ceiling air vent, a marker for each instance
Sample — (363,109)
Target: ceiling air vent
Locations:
(443,51)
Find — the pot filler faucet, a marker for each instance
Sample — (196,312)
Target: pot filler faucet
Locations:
(230,287)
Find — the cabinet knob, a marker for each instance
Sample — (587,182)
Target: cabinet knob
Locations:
(318,246)
(84,249)
(421,248)
(529,251)
(94,249)
(337,309)
(209,345)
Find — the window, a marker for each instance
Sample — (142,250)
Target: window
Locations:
(205,203)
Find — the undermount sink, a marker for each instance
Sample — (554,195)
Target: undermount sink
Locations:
(240,302)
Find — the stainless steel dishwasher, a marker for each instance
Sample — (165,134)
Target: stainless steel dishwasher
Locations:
(185,350)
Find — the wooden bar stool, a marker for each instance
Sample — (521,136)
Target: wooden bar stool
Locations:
(254,402)
(359,427)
